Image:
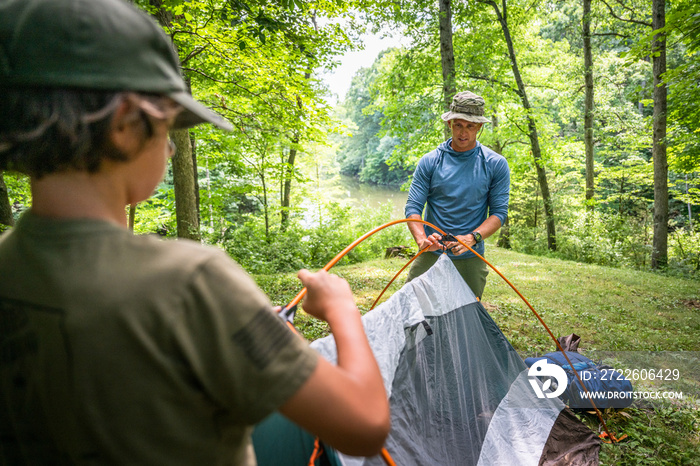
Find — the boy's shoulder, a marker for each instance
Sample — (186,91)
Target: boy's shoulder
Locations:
(181,256)
(100,248)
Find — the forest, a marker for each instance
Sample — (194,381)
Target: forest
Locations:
(594,103)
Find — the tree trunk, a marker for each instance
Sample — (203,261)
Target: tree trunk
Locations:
(287,187)
(588,105)
(185,177)
(532,129)
(265,206)
(537,211)
(498,146)
(288,171)
(195,172)
(132,216)
(184,181)
(622,195)
(659,254)
(690,210)
(447,58)
(504,237)
(6,217)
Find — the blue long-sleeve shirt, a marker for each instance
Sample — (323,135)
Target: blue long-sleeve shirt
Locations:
(461,189)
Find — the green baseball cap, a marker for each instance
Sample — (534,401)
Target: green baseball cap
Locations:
(93,44)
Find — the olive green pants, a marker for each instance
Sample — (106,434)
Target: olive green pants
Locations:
(472,269)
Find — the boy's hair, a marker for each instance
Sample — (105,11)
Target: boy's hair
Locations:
(47,130)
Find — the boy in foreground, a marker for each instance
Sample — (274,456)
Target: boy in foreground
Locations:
(131,350)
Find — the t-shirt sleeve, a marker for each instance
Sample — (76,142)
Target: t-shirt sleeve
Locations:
(241,353)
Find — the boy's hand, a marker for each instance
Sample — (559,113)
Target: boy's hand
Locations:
(327,295)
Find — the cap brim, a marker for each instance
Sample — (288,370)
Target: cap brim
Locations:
(195,113)
(447,116)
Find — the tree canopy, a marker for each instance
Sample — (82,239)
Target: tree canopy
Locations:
(260,64)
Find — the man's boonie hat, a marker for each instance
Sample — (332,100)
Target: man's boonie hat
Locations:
(466,106)
(93,44)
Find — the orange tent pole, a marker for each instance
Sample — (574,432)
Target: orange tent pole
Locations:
(397,276)
(349,248)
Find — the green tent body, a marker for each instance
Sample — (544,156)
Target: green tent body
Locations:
(278,441)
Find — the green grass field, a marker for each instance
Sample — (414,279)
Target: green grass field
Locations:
(616,310)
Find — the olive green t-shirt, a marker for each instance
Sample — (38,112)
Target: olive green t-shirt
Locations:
(123,349)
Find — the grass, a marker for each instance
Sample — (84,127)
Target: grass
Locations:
(611,309)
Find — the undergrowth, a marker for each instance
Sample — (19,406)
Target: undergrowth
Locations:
(658,433)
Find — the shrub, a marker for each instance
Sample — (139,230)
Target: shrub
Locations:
(299,246)
(684,252)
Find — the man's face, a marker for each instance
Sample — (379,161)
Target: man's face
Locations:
(464,134)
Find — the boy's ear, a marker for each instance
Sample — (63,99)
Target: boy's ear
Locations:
(126,132)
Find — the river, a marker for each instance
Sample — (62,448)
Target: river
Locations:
(348,191)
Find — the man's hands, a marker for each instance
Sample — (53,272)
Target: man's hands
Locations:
(457,248)
(486,229)
(431,242)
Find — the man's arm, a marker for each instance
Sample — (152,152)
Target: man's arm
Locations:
(417,197)
(345,405)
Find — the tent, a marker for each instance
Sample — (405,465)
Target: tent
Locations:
(279,442)
(459,392)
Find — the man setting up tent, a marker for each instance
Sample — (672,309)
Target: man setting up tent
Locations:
(466,188)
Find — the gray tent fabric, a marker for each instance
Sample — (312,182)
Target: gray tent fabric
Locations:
(459,392)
